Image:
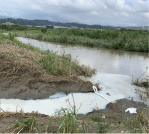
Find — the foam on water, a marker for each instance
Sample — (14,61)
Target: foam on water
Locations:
(87,103)
(114,85)
(112,89)
(57,95)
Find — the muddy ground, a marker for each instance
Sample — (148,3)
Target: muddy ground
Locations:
(21,76)
(21,80)
(37,88)
(117,110)
(111,116)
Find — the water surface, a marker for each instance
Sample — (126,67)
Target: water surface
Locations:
(114,75)
(103,60)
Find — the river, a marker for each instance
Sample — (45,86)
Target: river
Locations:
(115,70)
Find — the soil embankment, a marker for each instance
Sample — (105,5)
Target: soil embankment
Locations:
(21,76)
(38,88)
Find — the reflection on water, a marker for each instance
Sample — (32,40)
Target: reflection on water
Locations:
(103,60)
(114,74)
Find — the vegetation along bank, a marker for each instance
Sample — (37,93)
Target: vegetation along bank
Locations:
(130,40)
(28,72)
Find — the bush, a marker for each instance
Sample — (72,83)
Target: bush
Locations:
(44,30)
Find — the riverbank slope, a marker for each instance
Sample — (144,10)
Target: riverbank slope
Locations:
(29,73)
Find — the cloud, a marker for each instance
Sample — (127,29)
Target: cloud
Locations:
(102,12)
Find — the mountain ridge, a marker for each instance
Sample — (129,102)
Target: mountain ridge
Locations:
(38,22)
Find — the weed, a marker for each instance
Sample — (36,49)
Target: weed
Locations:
(101,126)
(69,123)
(27,124)
(138,124)
(9,53)
(11,36)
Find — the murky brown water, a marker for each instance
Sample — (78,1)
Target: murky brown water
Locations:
(103,60)
(114,71)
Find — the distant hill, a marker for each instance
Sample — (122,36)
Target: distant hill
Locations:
(2,17)
(46,22)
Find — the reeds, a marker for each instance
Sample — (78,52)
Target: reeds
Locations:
(112,39)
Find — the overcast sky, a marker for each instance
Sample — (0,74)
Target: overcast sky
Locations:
(102,12)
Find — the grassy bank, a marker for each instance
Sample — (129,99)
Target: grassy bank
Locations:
(113,39)
(45,60)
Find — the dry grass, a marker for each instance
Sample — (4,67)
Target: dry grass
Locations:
(37,61)
(21,66)
(143,82)
(16,122)
(22,54)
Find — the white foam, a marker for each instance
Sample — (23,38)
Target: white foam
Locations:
(86,101)
(114,86)
(57,95)
(111,89)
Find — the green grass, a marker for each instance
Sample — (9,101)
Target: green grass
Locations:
(29,124)
(113,39)
(58,65)
(69,123)
(53,64)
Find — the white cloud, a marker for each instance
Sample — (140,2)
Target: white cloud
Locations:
(102,12)
(125,14)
